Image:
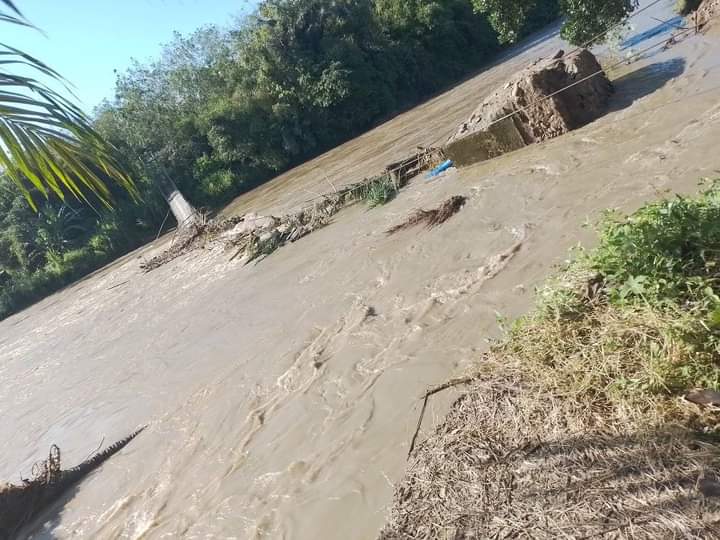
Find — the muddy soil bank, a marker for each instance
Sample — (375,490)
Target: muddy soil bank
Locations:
(281,397)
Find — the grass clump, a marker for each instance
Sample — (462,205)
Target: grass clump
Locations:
(665,252)
(375,191)
(634,322)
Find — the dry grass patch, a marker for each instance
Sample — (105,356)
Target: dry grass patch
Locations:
(512,461)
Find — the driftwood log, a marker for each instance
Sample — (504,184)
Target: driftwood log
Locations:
(20,504)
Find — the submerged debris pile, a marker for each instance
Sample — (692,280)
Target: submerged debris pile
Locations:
(251,236)
(432,218)
(190,237)
(256,241)
(20,504)
(547,99)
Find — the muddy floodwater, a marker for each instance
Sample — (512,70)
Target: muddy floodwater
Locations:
(281,397)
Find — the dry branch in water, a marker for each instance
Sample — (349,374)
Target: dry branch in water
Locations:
(21,504)
(432,218)
(446,386)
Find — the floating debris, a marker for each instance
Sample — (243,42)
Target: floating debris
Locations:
(252,237)
(20,504)
(432,218)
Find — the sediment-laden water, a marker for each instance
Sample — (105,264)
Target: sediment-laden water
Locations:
(281,397)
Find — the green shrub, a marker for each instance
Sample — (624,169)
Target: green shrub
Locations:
(101,244)
(218,186)
(586,19)
(666,251)
(380,192)
(635,321)
(21,289)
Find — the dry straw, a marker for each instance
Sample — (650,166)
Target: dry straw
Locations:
(514,461)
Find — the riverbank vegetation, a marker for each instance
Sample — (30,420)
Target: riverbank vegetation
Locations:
(636,321)
(591,415)
(224,110)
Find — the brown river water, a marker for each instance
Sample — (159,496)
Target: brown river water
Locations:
(281,396)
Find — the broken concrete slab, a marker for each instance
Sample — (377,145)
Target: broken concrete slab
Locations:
(542,111)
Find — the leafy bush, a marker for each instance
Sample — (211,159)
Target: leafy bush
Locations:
(506,17)
(217,186)
(666,251)
(44,251)
(380,192)
(636,320)
(584,19)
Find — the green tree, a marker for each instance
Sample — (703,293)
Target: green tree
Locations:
(433,42)
(507,17)
(317,69)
(586,19)
(155,115)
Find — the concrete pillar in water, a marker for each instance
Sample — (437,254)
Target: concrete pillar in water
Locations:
(183,211)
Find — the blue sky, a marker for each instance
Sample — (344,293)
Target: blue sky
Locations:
(87,39)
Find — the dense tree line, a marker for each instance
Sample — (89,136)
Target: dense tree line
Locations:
(222,111)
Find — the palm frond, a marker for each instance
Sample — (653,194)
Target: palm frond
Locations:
(15,16)
(46,142)
(12,6)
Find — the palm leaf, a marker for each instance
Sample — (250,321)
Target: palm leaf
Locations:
(46,142)
(13,7)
